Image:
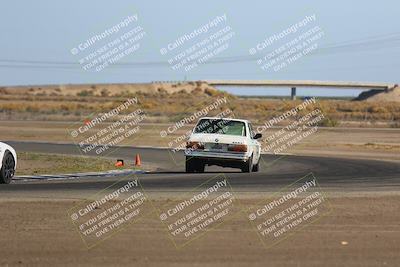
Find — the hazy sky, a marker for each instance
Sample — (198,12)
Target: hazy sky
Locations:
(361,39)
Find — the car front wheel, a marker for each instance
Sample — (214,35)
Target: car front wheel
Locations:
(7,169)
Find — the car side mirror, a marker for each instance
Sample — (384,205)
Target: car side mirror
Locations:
(257,136)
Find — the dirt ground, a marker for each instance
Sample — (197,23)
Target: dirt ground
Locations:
(362,229)
(359,231)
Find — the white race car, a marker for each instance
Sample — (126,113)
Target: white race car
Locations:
(8,163)
(223,142)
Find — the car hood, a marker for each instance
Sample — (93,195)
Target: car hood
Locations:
(218,138)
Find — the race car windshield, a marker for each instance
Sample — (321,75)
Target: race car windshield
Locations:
(221,126)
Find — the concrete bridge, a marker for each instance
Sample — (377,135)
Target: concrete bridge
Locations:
(306,83)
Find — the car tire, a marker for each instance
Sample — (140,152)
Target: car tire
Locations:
(248,165)
(190,165)
(7,169)
(256,167)
(194,165)
(200,166)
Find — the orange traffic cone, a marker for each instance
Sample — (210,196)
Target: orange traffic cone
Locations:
(138,162)
(119,163)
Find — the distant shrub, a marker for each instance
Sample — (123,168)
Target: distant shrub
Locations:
(211,92)
(162,90)
(197,91)
(32,109)
(327,122)
(3,91)
(149,105)
(377,109)
(85,93)
(104,92)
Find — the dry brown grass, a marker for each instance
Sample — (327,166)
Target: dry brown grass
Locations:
(171,102)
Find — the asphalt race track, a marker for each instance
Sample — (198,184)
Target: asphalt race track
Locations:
(276,172)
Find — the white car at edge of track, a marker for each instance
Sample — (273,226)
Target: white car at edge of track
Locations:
(223,142)
(8,163)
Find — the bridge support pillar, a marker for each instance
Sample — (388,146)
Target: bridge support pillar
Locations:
(293,94)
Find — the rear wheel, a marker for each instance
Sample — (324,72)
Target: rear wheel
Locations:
(248,165)
(200,166)
(256,167)
(194,165)
(8,168)
(189,165)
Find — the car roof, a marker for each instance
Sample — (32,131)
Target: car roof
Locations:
(219,118)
